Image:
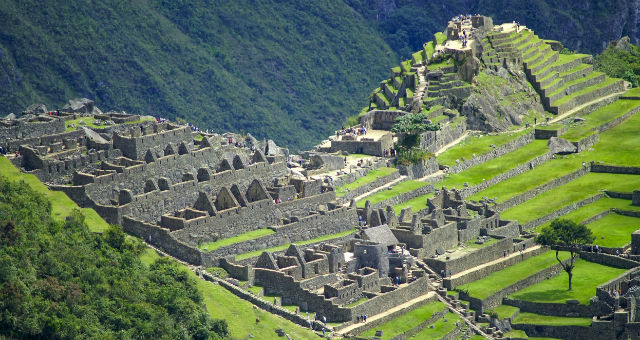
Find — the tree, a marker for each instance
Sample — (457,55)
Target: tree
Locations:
(565,235)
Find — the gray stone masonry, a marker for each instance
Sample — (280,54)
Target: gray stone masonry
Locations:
(433,141)
(401,198)
(562,211)
(136,146)
(364,145)
(370,186)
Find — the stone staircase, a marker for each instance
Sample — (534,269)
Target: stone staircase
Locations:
(418,96)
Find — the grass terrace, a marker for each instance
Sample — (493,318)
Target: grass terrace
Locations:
(355,303)
(476,144)
(633,92)
(440,38)
(587,276)
(396,190)
(537,319)
(600,117)
(61,204)
(496,166)
(89,122)
(571,192)
(406,321)
(368,178)
(250,235)
(565,99)
(300,243)
(595,208)
(440,328)
(614,230)
(504,311)
(496,281)
(416,204)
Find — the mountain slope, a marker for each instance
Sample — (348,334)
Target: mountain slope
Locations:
(287,71)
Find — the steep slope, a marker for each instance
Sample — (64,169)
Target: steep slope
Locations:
(286,70)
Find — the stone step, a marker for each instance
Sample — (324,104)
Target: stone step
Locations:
(592,93)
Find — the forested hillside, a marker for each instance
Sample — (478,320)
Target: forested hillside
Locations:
(290,71)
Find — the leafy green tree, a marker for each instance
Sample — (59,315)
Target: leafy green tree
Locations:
(565,235)
(410,126)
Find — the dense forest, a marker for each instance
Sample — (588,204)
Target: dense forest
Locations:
(291,71)
(60,281)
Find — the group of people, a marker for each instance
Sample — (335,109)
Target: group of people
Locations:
(3,151)
(361,318)
(357,131)
(391,152)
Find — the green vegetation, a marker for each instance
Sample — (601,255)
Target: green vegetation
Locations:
(614,230)
(565,99)
(406,321)
(416,204)
(355,303)
(496,281)
(570,236)
(504,311)
(440,328)
(61,205)
(588,276)
(285,246)
(478,145)
(537,319)
(59,280)
(571,192)
(368,178)
(249,235)
(496,166)
(396,190)
(89,121)
(620,63)
(599,117)
(410,127)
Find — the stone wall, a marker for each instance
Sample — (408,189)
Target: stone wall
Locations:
(548,133)
(555,309)
(561,332)
(238,272)
(528,195)
(562,211)
(136,147)
(357,173)
(18,129)
(614,169)
(380,119)
(587,142)
(472,259)
(161,238)
(497,152)
(425,168)
(368,147)
(609,260)
(433,141)
(482,272)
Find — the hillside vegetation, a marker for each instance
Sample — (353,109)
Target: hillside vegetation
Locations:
(284,70)
(58,280)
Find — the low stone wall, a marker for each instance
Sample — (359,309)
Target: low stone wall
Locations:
(401,198)
(587,142)
(554,183)
(562,211)
(497,152)
(419,170)
(370,186)
(238,272)
(615,169)
(560,332)
(485,271)
(547,134)
(415,330)
(433,141)
(161,238)
(609,260)
(357,173)
(472,259)
(621,195)
(520,169)
(595,217)
(555,309)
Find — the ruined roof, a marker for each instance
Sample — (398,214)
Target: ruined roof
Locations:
(380,234)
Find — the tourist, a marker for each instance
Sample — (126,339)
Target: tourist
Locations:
(324,320)
(365,318)
(535,121)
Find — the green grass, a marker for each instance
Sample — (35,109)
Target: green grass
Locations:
(406,321)
(429,50)
(496,281)
(634,92)
(385,194)
(416,204)
(599,117)
(256,290)
(595,208)
(496,166)
(355,303)
(614,230)
(476,145)
(89,122)
(368,178)
(586,277)
(285,246)
(504,311)
(571,192)
(250,235)
(537,319)
(565,86)
(440,328)
(61,204)
(440,38)
(239,313)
